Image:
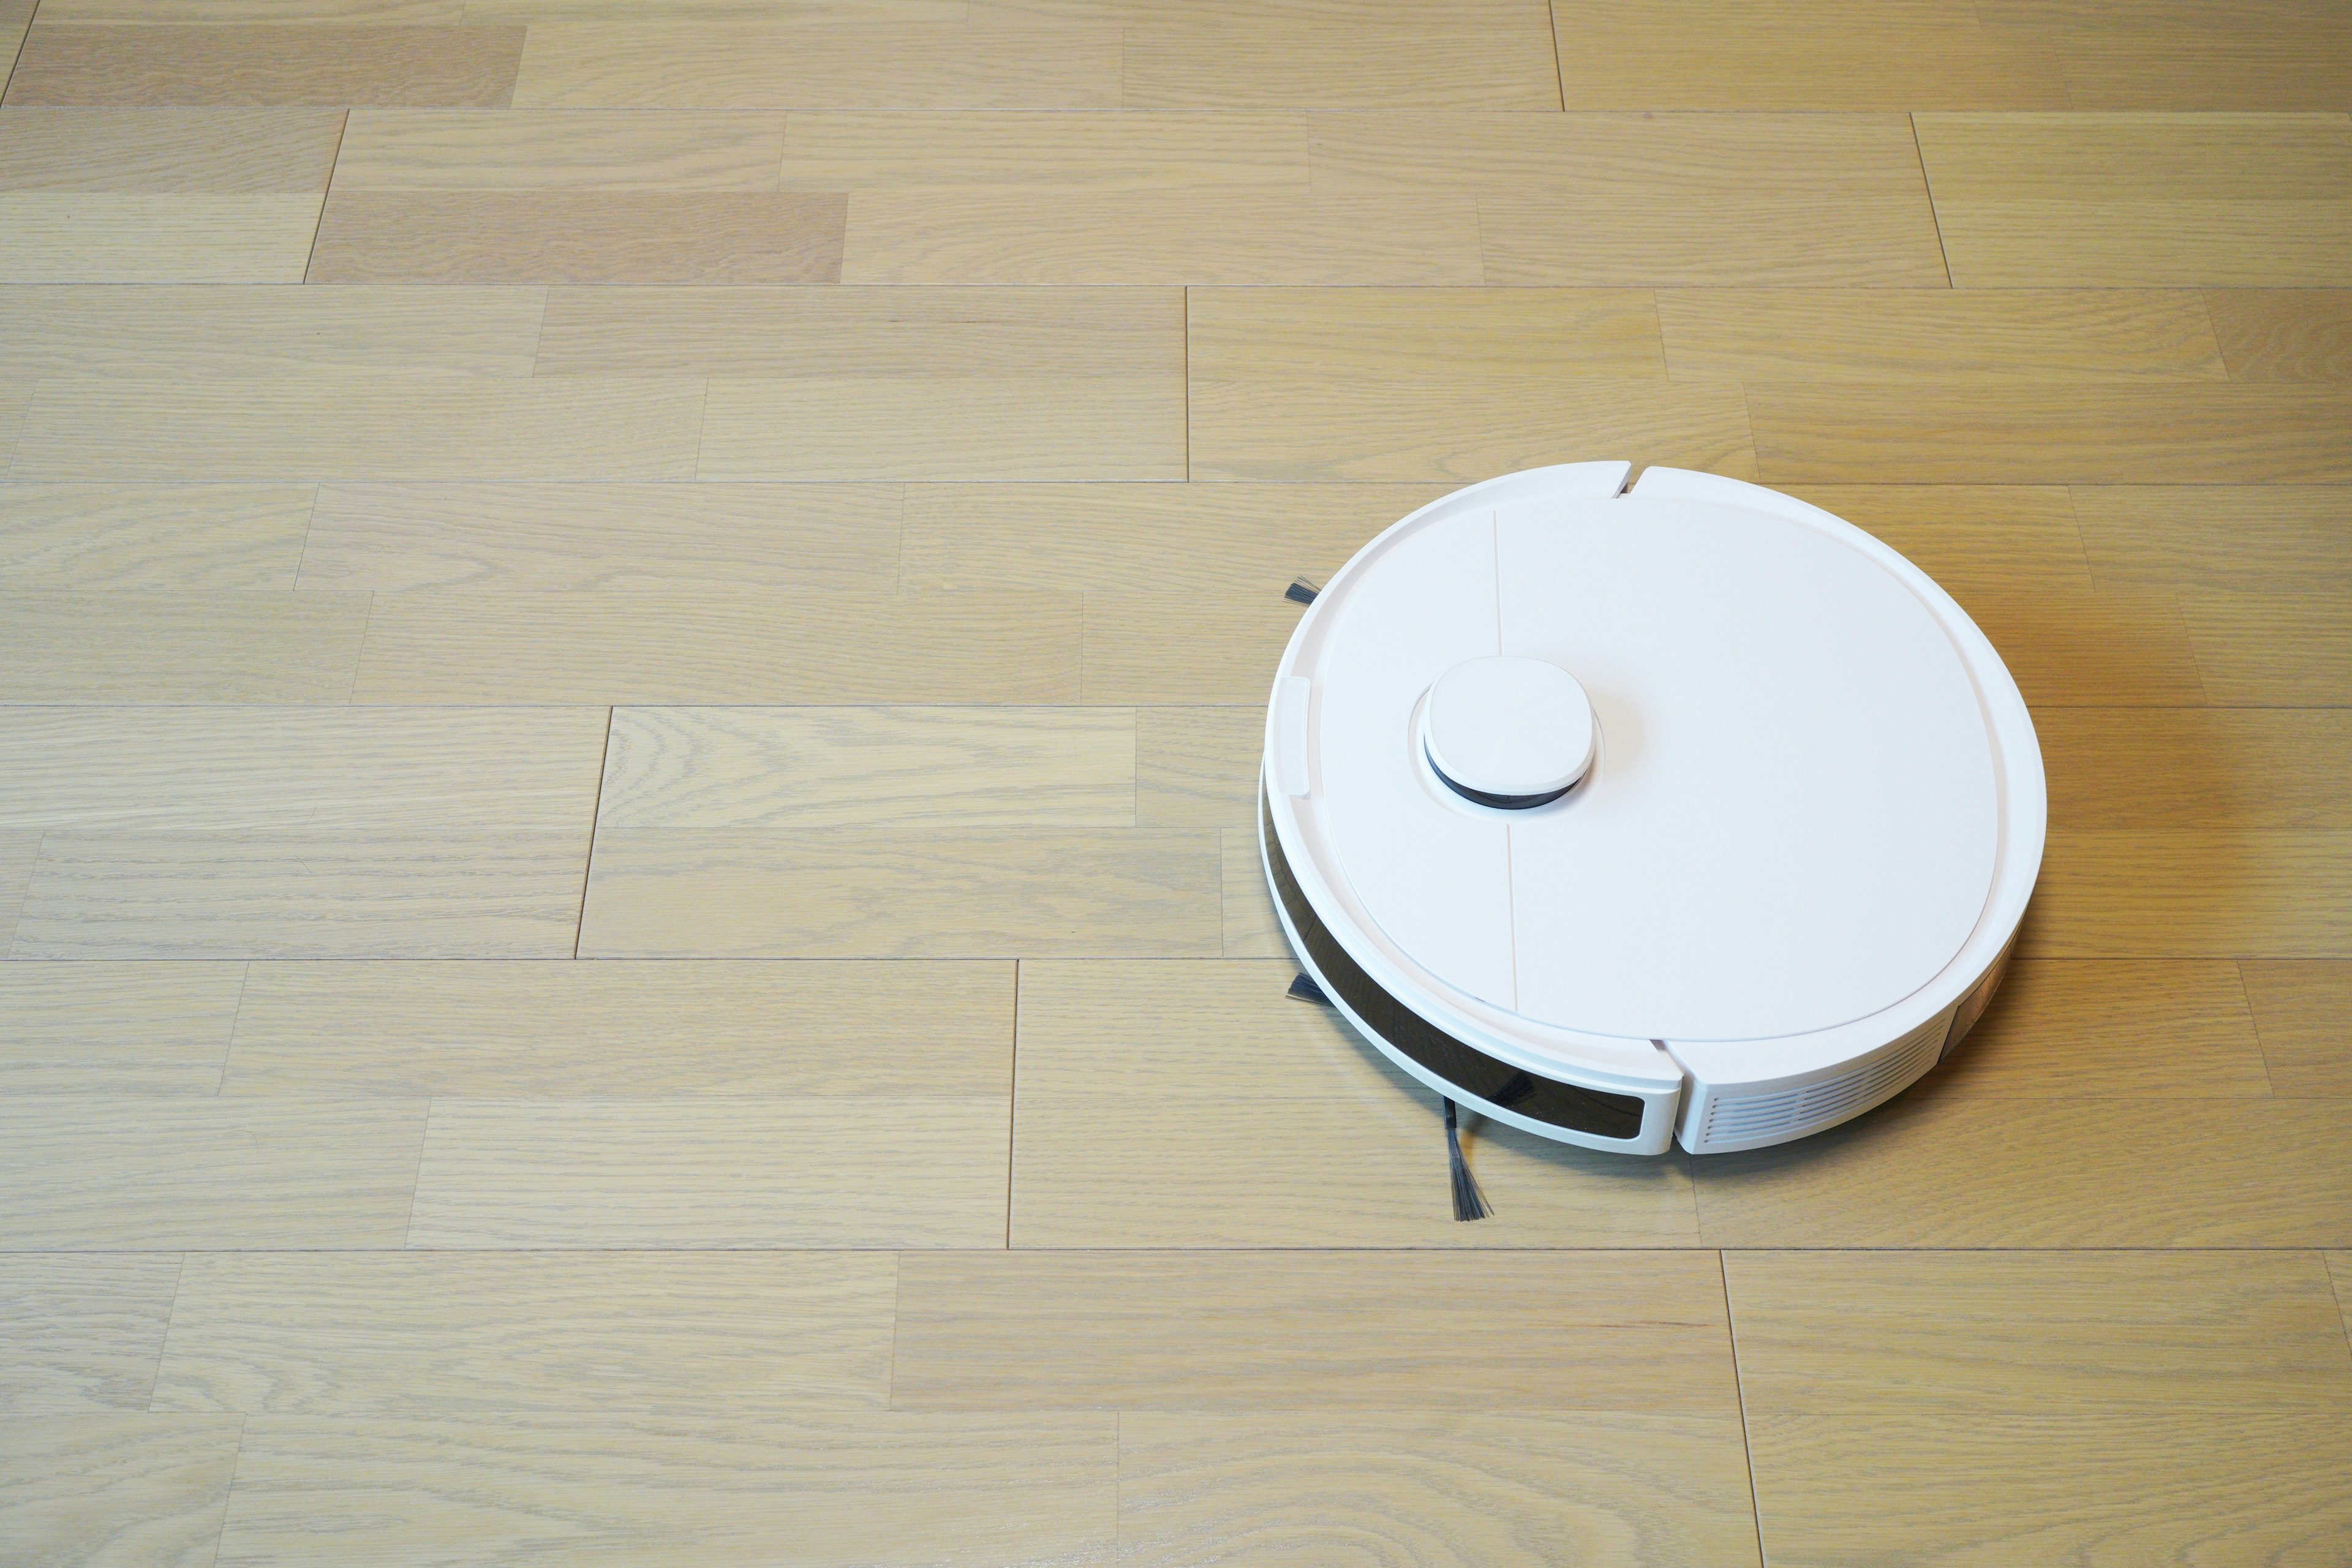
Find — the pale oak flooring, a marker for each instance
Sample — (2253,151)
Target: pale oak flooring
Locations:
(630,640)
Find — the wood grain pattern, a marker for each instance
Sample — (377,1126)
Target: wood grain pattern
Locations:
(2299,1011)
(1192,1105)
(115,1488)
(2273,649)
(881,428)
(271,64)
(881,892)
(2194,893)
(2115,1029)
(2284,334)
(2006,336)
(1078,150)
(2250,538)
(656,537)
(993,1492)
(2120,201)
(17,852)
(1452,1489)
(213,332)
(1250,927)
(2097,649)
(709,1173)
(618,1030)
(1208,647)
(82,1334)
(790,768)
(420,1333)
(2146,53)
(321,426)
(1604,200)
(221,13)
(578,237)
(1598,1331)
(1198,767)
(126,1028)
(123,149)
(179,647)
(1488,57)
(802,646)
(139,1173)
(2196,767)
(152,536)
(151,237)
(461,150)
(1988,540)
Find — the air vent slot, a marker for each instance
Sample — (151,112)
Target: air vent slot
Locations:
(1733,1121)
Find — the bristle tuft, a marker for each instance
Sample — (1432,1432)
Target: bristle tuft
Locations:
(1300,592)
(1469,1198)
(1304,989)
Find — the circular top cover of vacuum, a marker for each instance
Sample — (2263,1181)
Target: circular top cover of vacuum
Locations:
(1658,767)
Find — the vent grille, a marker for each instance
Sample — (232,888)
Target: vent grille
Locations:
(1742,1118)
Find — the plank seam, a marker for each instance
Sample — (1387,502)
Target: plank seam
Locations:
(319,223)
(1929,185)
(596,809)
(1739,1393)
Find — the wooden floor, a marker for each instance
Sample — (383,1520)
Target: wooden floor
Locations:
(631,635)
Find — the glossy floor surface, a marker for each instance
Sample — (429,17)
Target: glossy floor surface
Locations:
(631,635)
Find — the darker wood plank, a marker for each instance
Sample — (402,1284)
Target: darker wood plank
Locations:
(470,68)
(580,236)
(2284,334)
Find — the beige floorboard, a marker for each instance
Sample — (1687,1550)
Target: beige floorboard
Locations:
(2196,767)
(1192,1105)
(222,152)
(2119,201)
(881,892)
(2284,649)
(1250,927)
(155,236)
(636,537)
(804,645)
(2248,538)
(1453,1488)
(2284,334)
(323,425)
(124,1028)
(1602,200)
(268,64)
(2005,335)
(152,536)
(2070,649)
(2300,1009)
(620,1030)
(1116,151)
(710,1172)
(916,768)
(82,1334)
(1973,540)
(496,1334)
(1940,1166)
(578,237)
(2116,1028)
(154,646)
(845,1488)
(1197,767)
(2193,893)
(213,13)
(492,150)
(212,333)
(726,63)
(17,852)
(127,1173)
(116,1489)
(2147,54)
(1629,1332)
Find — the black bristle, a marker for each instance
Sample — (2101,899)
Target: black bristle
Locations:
(1300,592)
(1469,1200)
(1305,990)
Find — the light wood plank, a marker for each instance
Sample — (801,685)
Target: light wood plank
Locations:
(743,65)
(2252,538)
(329,426)
(1118,151)
(1485,57)
(2300,1010)
(125,1028)
(2121,201)
(1145,648)
(2196,767)
(1178,541)
(1825,433)
(2284,334)
(13,400)
(1267,1489)
(698,1172)
(1802,55)
(2099,649)
(1606,200)
(16,15)
(2273,649)
(494,150)
(1279,336)
(1192,1104)
(875,427)
(2149,54)
(123,1172)
(259,333)
(449,1334)
(17,853)
(1197,235)
(261,770)
(268,65)
(124,150)
(1973,540)
(2004,1333)
(879,893)
(115,1489)
(2194,893)
(2068,1028)
(218,12)
(1250,927)
(155,236)
(991,1491)
(2339,1268)
(803,646)
(82,1334)
(618,1030)
(639,537)
(2009,336)
(775,12)
(1939,1166)
(578,237)
(58,647)
(917,768)
(152,536)
(1598,1331)
(1198,767)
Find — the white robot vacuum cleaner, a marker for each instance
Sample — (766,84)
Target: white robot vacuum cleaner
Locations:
(1685,812)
